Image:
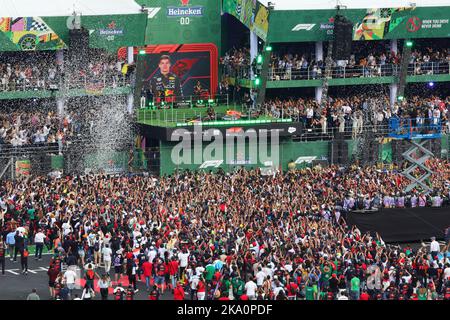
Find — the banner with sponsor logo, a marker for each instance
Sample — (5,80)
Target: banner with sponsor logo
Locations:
(251,13)
(369,24)
(182,21)
(52,33)
(23,168)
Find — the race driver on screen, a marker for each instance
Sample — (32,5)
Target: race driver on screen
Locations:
(165,85)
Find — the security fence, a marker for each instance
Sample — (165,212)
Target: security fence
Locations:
(347,71)
(310,146)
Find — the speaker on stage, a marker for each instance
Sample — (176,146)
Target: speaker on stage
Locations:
(343,35)
(79,45)
(338,152)
(78,39)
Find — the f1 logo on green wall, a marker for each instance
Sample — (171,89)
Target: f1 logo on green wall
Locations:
(151,12)
(211,163)
(303,26)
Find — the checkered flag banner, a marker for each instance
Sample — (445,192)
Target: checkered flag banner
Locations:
(37,25)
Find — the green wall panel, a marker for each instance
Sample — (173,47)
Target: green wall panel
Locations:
(202,25)
(288,151)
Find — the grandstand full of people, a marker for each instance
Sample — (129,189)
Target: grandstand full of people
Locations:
(240,235)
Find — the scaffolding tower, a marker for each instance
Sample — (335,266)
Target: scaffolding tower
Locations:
(417,132)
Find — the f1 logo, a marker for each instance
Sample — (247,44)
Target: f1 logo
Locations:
(303,26)
(211,163)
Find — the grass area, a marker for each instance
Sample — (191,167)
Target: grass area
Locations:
(32,250)
(172,117)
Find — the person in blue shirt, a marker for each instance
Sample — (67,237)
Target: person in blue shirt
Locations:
(11,242)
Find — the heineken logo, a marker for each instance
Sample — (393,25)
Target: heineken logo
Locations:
(111,30)
(185,12)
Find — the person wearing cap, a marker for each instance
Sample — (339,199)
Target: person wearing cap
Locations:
(334,284)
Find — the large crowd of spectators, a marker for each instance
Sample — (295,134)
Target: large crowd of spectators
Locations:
(348,114)
(300,66)
(236,63)
(364,62)
(34,72)
(42,71)
(236,236)
(20,128)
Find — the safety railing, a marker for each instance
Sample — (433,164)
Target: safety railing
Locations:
(189,101)
(102,81)
(429,68)
(58,83)
(380,70)
(348,131)
(315,72)
(187,116)
(72,155)
(409,128)
(186,102)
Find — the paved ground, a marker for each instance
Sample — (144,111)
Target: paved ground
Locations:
(16,286)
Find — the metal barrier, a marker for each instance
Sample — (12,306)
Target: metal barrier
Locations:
(74,154)
(173,117)
(179,109)
(409,128)
(76,82)
(345,72)
(385,70)
(184,102)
